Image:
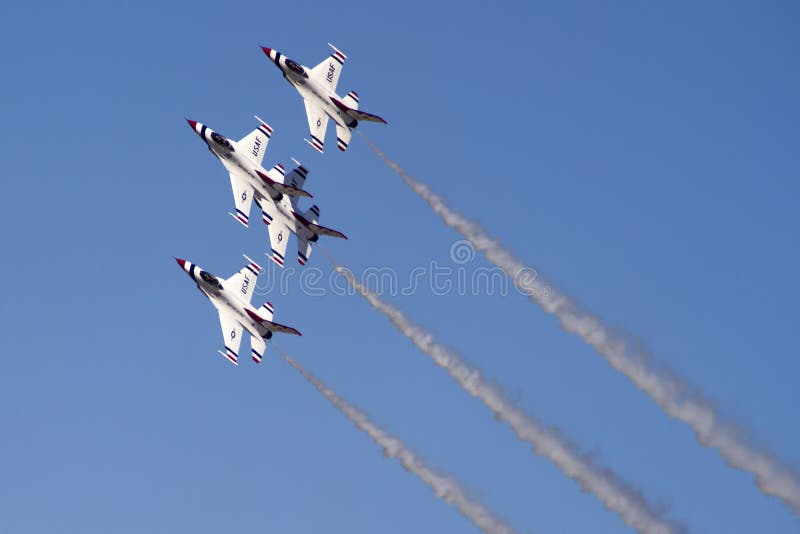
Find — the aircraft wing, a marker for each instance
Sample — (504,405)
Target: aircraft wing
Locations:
(243,283)
(270,326)
(254,144)
(243,197)
(329,70)
(232,334)
(317,125)
(278,239)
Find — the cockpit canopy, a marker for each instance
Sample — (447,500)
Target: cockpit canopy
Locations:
(295,67)
(217,138)
(210,279)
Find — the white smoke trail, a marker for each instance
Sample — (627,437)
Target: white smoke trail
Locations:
(664,387)
(613,493)
(445,488)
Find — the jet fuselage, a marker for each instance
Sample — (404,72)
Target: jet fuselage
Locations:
(223,298)
(318,93)
(234,162)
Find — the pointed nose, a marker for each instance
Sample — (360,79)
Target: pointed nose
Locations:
(181,262)
(272,54)
(193,125)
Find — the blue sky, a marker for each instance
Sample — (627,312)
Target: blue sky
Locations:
(642,157)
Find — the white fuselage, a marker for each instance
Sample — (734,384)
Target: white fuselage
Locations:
(241,166)
(225,298)
(281,210)
(319,94)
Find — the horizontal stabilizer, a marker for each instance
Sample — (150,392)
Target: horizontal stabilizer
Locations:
(274,327)
(266,311)
(297,178)
(303,250)
(257,348)
(351,100)
(283,188)
(343,136)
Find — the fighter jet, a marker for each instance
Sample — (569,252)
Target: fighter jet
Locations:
(275,193)
(242,159)
(232,298)
(317,86)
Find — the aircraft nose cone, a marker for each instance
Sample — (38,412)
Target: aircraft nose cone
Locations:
(192,123)
(181,262)
(266,50)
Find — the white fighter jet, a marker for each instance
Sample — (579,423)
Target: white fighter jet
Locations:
(232,298)
(274,192)
(242,159)
(317,86)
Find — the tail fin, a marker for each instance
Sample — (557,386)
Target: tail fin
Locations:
(355,114)
(343,136)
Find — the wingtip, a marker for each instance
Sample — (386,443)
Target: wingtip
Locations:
(314,146)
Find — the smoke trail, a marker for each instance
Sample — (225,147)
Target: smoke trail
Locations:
(614,494)
(663,386)
(443,486)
